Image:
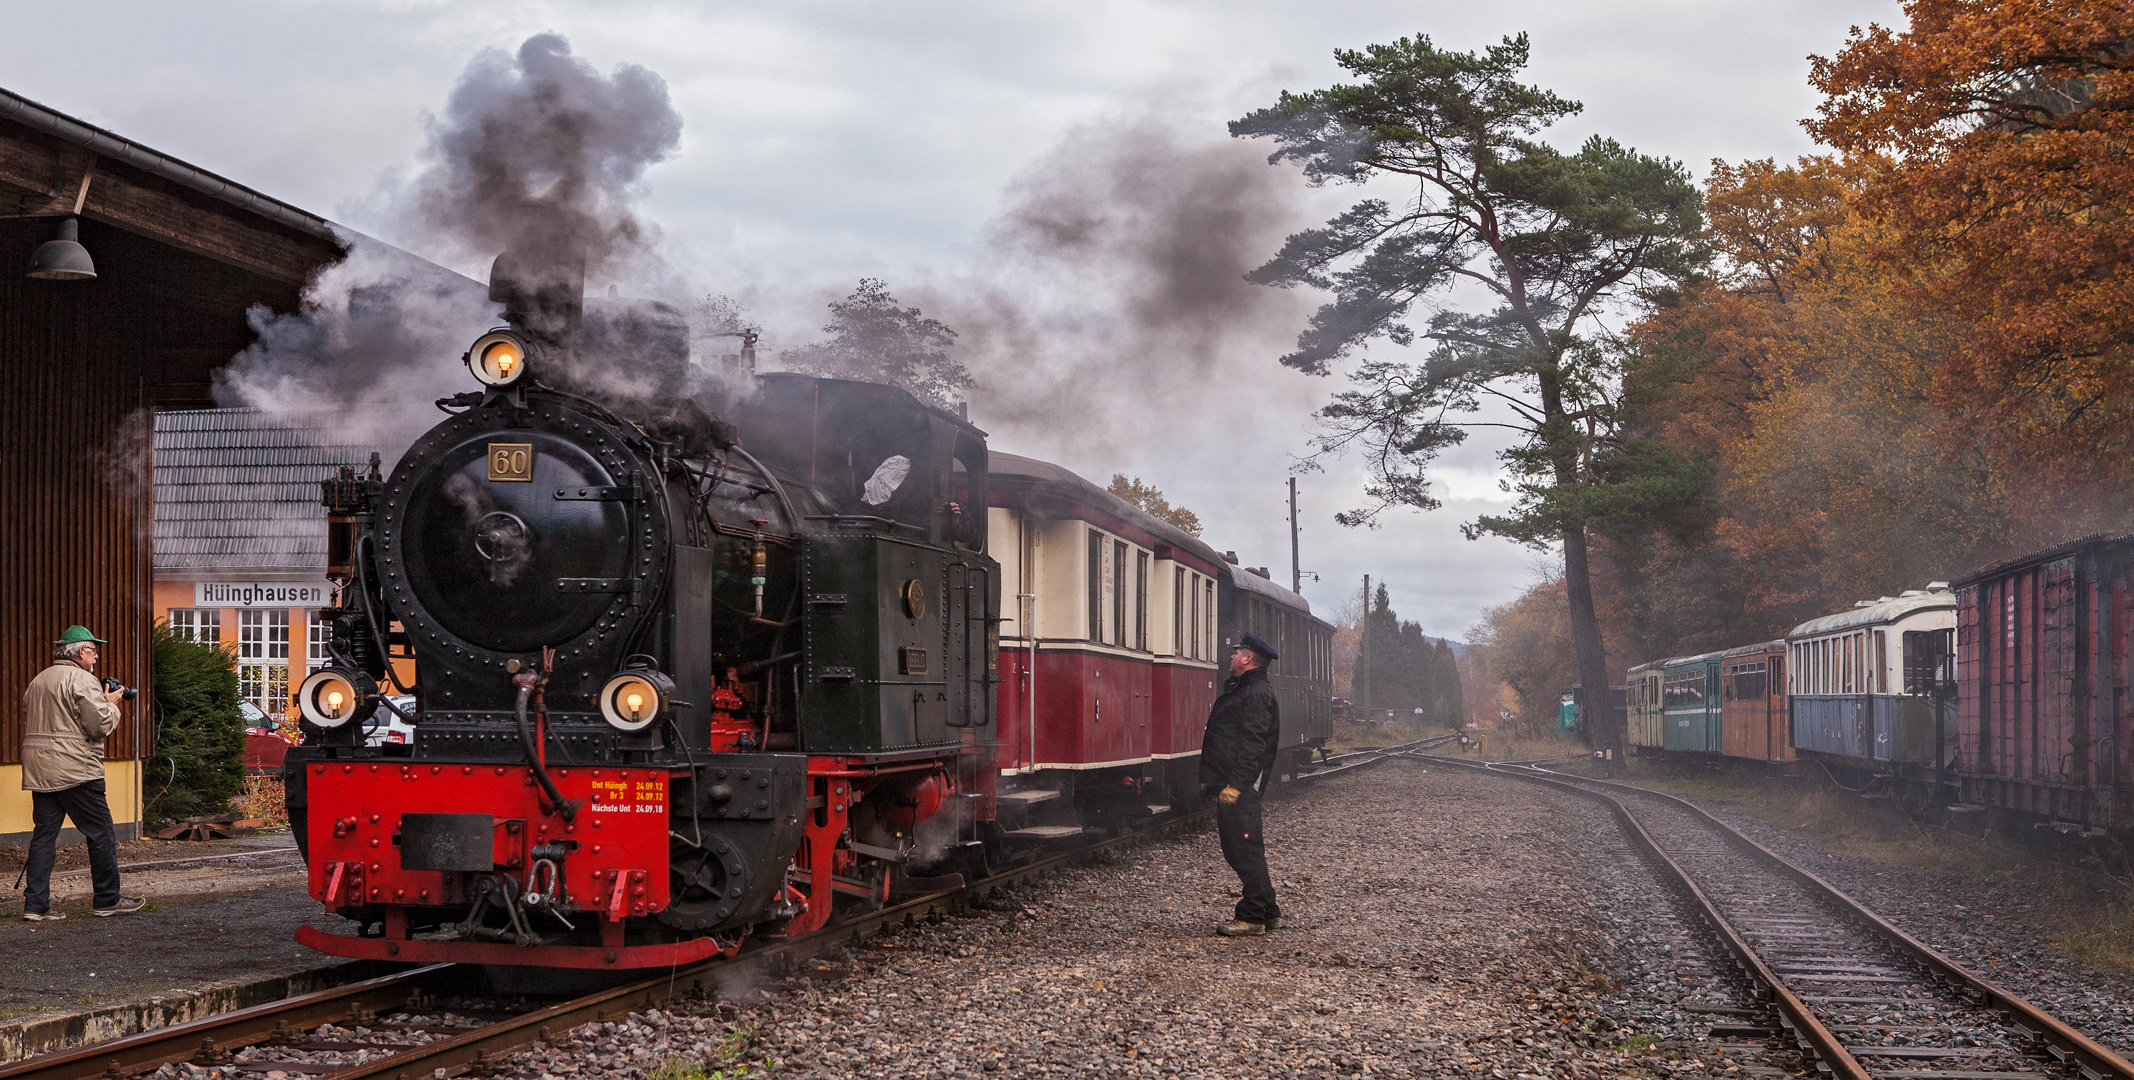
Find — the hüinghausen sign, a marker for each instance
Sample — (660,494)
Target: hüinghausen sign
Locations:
(261,594)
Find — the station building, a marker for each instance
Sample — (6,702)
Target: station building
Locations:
(240,540)
(177,255)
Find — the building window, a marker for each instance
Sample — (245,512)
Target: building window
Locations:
(199,625)
(316,631)
(263,659)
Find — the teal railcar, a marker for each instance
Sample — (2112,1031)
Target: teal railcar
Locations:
(1689,690)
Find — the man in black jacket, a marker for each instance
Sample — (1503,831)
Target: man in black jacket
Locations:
(1236,759)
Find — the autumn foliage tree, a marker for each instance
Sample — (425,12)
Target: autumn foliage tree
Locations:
(1995,135)
(1805,372)
(1149,499)
(1911,357)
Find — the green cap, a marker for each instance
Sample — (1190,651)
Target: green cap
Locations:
(79,633)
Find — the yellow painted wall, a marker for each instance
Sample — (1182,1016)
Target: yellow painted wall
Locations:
(179,594)
(122,789)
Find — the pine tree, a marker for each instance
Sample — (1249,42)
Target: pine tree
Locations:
(197,763)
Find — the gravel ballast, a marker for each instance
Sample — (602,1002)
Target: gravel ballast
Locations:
(1435,922)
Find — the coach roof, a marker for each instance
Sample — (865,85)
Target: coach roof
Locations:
(1880,612)
(1048,490)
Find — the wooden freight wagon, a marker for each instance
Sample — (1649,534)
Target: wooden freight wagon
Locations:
(2042,717)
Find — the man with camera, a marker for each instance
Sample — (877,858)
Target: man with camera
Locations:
(67,714)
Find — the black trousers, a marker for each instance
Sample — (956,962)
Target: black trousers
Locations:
(92,815)
(1245,848)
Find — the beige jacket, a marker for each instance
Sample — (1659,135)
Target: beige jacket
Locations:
(65,722)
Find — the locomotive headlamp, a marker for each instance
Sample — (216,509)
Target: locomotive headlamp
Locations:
(633,699)
(333,696)
(498,358)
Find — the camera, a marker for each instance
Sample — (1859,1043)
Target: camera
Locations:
(113,684)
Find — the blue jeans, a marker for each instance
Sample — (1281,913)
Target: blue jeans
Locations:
(92,815)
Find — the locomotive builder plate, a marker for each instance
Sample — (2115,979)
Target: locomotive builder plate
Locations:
(511,461)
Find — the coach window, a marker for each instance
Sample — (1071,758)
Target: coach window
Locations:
(1178,611)
(1119,629)
(1929,659)
(1192,610)
(1207,589)
(1141,601)
(1096,586)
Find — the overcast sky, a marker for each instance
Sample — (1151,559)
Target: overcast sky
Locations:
(823,142)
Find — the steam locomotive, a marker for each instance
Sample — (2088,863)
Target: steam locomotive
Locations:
(682,680)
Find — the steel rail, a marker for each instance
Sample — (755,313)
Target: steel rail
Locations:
(149,1050)
(2062,1041)
(162,1046)
(1819,1038)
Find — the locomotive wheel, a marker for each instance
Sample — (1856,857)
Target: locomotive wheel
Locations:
(704,883)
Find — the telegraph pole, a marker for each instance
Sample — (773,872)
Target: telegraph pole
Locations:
(1363,648)
(1296,569)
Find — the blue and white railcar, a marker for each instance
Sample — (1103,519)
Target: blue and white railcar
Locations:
(1861,680)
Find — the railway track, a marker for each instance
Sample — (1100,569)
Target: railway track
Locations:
(1860,997)
(413,1023)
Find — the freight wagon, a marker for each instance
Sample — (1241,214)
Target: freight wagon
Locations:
(2041,716)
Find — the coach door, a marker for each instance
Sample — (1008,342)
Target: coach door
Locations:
(1778,740)
(1713,703)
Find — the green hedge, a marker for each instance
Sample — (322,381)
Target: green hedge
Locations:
(197,762)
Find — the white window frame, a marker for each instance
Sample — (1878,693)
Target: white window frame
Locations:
(263,658)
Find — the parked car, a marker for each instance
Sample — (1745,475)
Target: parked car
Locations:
(266,738)
(386,727)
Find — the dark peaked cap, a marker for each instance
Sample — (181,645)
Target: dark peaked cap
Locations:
(1259,645)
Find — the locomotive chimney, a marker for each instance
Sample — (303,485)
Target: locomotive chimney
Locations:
(542,293)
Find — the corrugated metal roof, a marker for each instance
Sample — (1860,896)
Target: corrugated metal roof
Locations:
(237,490)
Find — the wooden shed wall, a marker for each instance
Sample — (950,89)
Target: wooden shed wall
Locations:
(81,363)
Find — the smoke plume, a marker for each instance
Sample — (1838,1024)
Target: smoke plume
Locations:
(539,153)
(1116,300)
(536,152)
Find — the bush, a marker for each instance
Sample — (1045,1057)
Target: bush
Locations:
(197,760)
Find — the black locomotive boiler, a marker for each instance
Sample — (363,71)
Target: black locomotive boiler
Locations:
(686,666)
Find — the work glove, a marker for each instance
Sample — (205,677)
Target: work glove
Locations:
(1227,797)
